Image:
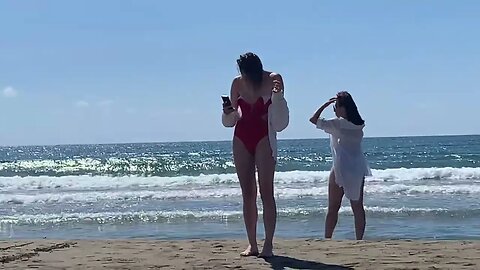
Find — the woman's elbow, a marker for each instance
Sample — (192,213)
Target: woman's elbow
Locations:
(229,120)
(228,125)
(281,125)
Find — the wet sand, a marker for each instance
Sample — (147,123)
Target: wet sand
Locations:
(224,254)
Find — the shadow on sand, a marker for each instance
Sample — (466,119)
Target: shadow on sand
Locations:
(283,262)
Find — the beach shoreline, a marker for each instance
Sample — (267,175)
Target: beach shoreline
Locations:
(224,254)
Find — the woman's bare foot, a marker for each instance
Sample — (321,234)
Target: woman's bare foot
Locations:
(250,252)
(267,251)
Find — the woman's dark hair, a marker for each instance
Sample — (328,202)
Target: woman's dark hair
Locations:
(251,67)
(344,99)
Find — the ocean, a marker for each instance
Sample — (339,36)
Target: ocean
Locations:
(421,188)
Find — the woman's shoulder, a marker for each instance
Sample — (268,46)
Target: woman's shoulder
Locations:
(273,75)
(346,124)
(336,119)
(237,78)
(236,81)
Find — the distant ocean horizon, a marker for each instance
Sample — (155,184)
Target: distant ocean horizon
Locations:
(224,140)
(423,187)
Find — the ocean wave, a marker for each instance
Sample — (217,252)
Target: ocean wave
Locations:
(293,178)
(224,192)
(189,216)
(413,174)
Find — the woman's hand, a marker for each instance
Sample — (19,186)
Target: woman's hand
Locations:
(277,86)
(330,101)
(227,108)
(316,115)
(326,104)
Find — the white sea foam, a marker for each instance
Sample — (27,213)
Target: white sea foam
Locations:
(176,215)
(311,178)
(224,192)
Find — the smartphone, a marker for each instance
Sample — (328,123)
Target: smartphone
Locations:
(226,101)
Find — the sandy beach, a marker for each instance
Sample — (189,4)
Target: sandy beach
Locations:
(224,254)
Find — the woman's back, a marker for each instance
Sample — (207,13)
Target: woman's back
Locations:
(348,136)
(251,94)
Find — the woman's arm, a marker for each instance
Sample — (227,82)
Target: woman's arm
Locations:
(316,115)
(230,114)
(279,113)
(329,126)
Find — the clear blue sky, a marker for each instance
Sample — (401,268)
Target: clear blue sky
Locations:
(149,71)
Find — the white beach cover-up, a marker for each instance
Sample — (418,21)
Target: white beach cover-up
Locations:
(349,162)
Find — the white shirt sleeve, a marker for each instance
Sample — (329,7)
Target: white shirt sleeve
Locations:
(229,120)
(330,126)
(279,112)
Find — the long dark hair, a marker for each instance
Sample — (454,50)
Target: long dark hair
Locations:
(344,99)
(251,67)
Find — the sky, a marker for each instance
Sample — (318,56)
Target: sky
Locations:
(153,71)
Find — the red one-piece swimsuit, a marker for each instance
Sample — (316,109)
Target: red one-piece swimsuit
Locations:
(253,125)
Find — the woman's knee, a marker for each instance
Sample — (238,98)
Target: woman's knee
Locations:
(267,194)
(249,193)
(266,186)
(357,207)
(333,209)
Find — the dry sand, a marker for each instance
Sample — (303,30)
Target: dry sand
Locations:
(224,254)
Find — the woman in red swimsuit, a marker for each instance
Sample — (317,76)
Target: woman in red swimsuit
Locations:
(258,111)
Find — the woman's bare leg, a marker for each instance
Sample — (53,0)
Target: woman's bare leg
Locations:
(245,167)
(335,196)
(359,215)
(266,170)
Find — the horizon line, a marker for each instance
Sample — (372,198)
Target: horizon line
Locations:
(206,141)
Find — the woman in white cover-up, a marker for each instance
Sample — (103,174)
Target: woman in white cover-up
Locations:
(350,166)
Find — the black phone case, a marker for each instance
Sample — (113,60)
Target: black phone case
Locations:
(226,100)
